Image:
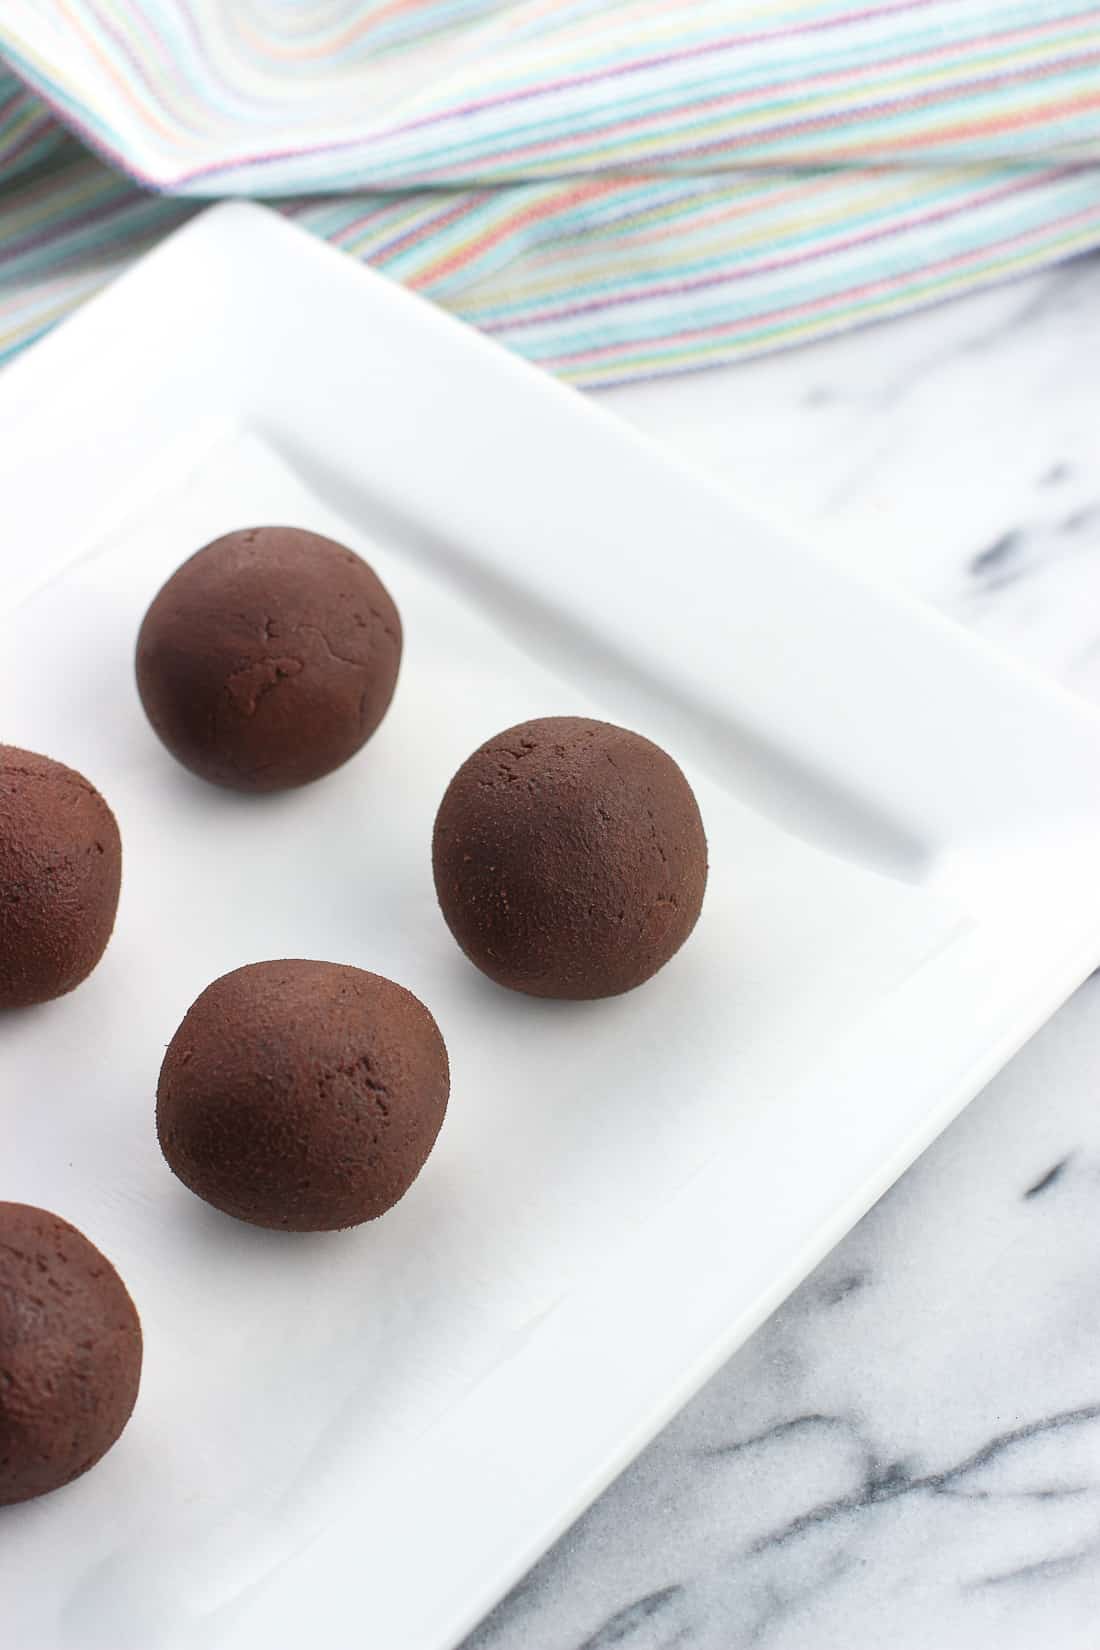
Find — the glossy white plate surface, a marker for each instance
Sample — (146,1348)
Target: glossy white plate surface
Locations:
(359,1440)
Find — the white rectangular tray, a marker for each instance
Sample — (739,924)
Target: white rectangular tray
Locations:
(362,1439)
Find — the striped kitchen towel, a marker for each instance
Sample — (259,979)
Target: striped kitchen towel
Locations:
(615,188)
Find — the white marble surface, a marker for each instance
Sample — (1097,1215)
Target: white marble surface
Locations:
(908,1453)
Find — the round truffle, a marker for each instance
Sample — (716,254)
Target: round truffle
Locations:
(70,1353)
(60,871)
(269,658)
(302,1095)
(569,858)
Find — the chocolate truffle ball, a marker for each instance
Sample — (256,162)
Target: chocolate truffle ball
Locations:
(60,869)
(569,858)
(70,1353)
(269,658)
(302,1095)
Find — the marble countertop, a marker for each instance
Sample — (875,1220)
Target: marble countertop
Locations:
(908,1452)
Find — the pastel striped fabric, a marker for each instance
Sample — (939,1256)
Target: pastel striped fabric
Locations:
(614,188)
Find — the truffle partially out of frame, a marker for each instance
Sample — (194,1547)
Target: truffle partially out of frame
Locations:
(60,873)
(70,1353)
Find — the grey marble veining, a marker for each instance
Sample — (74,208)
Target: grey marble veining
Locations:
(908,1452)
